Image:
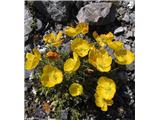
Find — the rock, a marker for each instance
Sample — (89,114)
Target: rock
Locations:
(28,20)
(121,10)
(119,30)
(97,13)
(64,115)
(27,73)
(39,24)
(129,34)
(132,18)
(126,17)
(130,67)
(131,4)
(42,50)
(128,47)
(58,10)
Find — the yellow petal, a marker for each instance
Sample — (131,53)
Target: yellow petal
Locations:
(47,69)
(124,57)
(56,76)
(49,38)
(70,31)
(82,28)
(37,53)
(100,39)
(72,64)
(100,59)
(59,36)
(51,76)
(30,56)
(80,46)
(75,89)
(32,59)
(106,88)
(116,45)
(69,65)
(109,36)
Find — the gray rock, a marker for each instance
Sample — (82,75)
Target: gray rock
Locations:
(27,73)
(58,10)
(119,30)
(130,67)
(96,13)
(132,17)
(121,10)
(128,47)
(28,23)
(131,4)
(64,115)
(129,34)
(126,17)
(42,50)
(28,20)
(38,24)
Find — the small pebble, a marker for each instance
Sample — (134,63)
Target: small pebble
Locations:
(119,30)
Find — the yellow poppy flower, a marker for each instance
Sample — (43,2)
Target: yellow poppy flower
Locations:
(53,39)
(103,39)
(75,89)
(32,59)
(102,103)
(106,88)
(72,64)
(105,91)
(100,59)
(124,57)
(80,28)
(80,46)
(51,76)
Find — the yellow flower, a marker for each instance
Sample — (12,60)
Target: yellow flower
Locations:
(124,57)
(75,89)
(53,39)
(80,46)
(106,88)
(102,103)
(51,76)
(100,59)
(103,38)
(80,28)
(72,64)
(105,91)
(32,59)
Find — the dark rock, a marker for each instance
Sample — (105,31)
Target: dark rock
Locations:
(97,13)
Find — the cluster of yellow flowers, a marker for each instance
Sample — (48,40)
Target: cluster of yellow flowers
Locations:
(99,58)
